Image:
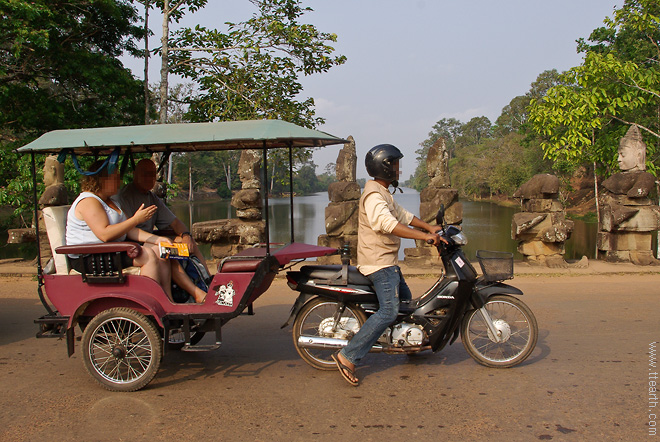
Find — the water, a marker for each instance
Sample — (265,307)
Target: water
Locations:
(487,225)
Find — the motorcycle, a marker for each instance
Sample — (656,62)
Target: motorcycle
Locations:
(496,328)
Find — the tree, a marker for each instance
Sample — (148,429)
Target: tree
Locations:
(251,71)
(514,117)
(171,11)
(59,67)
(59,70)
(617,85)
(475,131)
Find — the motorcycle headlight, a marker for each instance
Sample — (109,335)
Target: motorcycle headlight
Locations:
(459,238)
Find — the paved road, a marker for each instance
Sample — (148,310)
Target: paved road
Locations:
(588,379)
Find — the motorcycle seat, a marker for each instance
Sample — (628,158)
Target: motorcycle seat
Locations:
(328,273)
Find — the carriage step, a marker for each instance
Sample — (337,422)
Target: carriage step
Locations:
(209,347)
(52,326)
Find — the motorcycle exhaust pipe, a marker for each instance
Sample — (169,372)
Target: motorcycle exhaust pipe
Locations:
(336,344)
(329,343)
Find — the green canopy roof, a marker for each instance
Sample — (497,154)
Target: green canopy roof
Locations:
(184,137)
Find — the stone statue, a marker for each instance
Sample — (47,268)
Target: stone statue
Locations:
(541,228)
(55,193)
(437,165)
(247,201)
(627,215)
(438,192)
(230,236)
(341,215)
(632,151)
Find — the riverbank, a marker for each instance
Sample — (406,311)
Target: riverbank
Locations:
(20,268)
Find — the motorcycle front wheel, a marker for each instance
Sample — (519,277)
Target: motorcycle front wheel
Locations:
(516,328)
(324,318)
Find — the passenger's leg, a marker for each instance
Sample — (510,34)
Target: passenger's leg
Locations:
(194,251)
(153,267)
(181,279)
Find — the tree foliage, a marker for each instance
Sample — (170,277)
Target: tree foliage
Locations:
(618,84)
(251,71)
(487,160)
(59,70)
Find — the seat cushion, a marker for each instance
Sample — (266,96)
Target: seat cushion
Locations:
(333,272)
(239,265)
(55,221)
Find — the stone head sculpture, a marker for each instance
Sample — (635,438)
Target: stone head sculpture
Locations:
(55,193)
(632,151)
(53,171)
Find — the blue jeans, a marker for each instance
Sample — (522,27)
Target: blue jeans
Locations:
(390,287)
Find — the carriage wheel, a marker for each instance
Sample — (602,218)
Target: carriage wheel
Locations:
(122,349)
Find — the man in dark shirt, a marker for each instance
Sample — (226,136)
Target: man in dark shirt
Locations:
(138,192)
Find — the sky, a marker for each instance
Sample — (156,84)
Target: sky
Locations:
(411,63)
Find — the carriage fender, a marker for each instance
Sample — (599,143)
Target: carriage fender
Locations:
(481,294)
(94,305)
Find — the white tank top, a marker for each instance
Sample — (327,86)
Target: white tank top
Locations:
(77,230)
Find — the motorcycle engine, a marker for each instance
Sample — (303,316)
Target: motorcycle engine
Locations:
(404,335)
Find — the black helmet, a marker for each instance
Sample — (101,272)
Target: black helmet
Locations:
(380,160)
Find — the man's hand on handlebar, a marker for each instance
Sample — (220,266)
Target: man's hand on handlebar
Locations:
(435,239)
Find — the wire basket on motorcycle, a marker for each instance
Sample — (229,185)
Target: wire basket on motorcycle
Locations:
(496,266)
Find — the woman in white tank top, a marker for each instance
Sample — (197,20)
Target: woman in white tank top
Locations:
(95,217)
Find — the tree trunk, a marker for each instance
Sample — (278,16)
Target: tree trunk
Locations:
(597,206)
(190,181)
(164,70)
(272,178)
(146,62)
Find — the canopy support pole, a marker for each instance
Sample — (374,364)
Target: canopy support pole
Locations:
(265,186)
(40,270)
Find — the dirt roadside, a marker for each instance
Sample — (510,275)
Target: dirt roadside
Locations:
(588,379)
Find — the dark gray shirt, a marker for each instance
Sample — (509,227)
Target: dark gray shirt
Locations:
(130,200)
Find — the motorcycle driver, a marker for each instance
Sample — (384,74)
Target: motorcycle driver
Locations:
(382,222)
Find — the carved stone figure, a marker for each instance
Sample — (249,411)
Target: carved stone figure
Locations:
(627,215)
(437,165)
(230,236)
(55,193)
(541,228)
(632,151)
(247,201)
(341,215)
(438,192)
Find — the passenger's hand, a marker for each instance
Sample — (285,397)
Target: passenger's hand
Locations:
(143,214)
(166,240)
(187,239)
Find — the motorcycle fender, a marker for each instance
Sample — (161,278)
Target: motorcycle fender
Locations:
(295,308)
(480,295)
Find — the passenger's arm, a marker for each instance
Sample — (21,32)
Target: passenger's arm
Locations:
(181,230)
(145,237)
(91,211)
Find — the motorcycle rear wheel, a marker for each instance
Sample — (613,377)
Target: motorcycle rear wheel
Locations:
(516,327)
(313,320)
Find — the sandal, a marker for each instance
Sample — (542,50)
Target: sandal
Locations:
(346,372)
